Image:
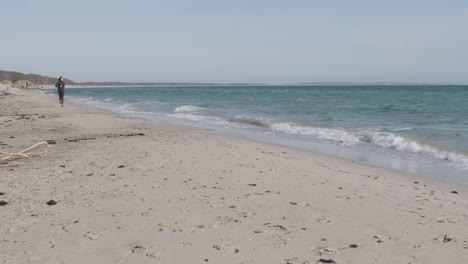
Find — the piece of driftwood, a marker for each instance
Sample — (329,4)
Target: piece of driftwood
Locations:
(23,153)
(126,135)
(80,139)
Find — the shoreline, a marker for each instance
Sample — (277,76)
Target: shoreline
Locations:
(427,166)
(188,127)
(136,191)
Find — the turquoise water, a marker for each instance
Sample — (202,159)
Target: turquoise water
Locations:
(422,125)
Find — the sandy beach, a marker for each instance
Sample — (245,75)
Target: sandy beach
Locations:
(115,189)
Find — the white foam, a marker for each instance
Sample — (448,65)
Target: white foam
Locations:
(127,107)
(321,133)
(381,139)
(188,109)
(392,141)
(199,118)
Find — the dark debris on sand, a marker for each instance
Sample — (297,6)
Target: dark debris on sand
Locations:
(51,202)
(326,261)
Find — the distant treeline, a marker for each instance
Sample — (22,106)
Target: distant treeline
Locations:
(36,79)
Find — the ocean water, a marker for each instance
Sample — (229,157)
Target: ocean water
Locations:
(417,129)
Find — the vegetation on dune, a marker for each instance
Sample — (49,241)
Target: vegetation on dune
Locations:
(36,79)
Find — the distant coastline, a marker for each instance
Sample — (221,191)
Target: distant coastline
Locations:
(155,85)
(36,81)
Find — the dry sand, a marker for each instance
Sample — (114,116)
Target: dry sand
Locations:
(132,191)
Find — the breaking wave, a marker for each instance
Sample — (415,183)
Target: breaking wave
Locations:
(199,118)
(392,141)
(188,109)
(127,107)
(319,132)
(384,140)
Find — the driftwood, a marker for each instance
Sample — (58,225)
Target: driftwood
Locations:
(23,153)
(109,136)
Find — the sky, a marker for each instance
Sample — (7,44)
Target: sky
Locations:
(267,41)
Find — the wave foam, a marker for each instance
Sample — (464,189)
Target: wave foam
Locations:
(127,107)
(385,140)
(188,109)
(392,141)
(199,118)
(322,133)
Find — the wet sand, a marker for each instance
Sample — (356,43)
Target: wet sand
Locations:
(113,189)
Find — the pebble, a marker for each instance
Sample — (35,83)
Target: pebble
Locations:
(51,202)
(326,261)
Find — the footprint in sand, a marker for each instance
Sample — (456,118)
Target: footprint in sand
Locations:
(381,238)
(168,228)
(323,220)
(149,252)
(226,248)
(92,236)
(320,251)
(301,204)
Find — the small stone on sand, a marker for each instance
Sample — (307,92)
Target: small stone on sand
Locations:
(326,261)
(51,202)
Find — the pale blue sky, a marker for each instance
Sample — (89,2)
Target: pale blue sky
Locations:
(238,40)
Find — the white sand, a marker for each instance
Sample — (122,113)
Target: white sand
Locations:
(173,195)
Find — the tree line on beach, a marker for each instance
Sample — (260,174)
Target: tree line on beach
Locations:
(13,77)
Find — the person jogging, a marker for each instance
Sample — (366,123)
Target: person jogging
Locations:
(61,89)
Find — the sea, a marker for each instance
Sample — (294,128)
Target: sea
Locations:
(417,129)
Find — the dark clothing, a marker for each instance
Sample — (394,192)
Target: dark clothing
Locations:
(61,90)
(60,84)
